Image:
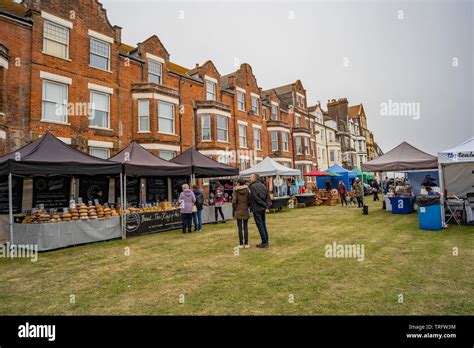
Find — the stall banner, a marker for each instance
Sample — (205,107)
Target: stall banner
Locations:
(133,190)
(176,185)
(94,187)
(17,194)
(144,223)
(156,189)
(52,191)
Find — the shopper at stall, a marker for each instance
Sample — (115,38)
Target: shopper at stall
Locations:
(328,185)
(198,211)
(359,192)
(258,205)
(342,189)
(218,202)
(240,204)
(186,202)
(375,189)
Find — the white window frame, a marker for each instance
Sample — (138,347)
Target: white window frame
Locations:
(45,39)
(274,141)
(274,108)
(173,118)
(285,141)
(243,136)
(240,100)
(144,112)
(332,155)
(299,145)
(43,101)
(297,120)
(226,130)
(91,92)
(307,148)
(257,140)
(173,153)
(159,75)
(211,95)
(91,38)
(208,117)
(106,150)
(255,105)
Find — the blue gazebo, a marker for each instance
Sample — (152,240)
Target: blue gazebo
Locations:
(345,175)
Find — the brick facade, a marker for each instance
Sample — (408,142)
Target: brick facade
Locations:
(118,93)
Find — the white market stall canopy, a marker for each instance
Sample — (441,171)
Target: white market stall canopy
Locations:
(457,168)
(269,167)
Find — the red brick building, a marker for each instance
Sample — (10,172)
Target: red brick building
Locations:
(65,69)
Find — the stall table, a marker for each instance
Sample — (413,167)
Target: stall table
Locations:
(305,198)
(280,202)
(208,213)
(55,235)
(402,204)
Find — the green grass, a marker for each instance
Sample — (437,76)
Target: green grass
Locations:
(399,259)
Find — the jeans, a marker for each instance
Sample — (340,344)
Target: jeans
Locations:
(187,222)
(376,196)
(219,209)
(343,200)
(359,202)
(243,225)
(197,220)
(259,217)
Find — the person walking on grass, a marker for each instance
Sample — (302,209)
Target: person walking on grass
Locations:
(199,205)
(186,202)
(258,205)
(342,189)
(218,202)
(240,204)
(375,189)
(359,192)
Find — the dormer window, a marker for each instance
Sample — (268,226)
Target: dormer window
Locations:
(274,113)
(155,71)
(210,90)
(240,99)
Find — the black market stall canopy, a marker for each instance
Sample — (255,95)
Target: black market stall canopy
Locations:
(203,166)
(50,156)
(137,161)
(402,158)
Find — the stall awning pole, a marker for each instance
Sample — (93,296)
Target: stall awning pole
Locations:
(122,209)
(441,187)
(10,208)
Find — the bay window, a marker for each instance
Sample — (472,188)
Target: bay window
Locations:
(285,141)
(166,118)
(206,127)
(222,129)
(143,115)
(274,137)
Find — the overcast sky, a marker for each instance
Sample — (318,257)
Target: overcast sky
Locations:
(382,54)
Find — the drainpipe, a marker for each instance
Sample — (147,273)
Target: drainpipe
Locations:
(180,116)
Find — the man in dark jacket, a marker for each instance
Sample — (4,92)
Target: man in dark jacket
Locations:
(258,205)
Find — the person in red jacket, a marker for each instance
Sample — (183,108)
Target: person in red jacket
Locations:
(342,189)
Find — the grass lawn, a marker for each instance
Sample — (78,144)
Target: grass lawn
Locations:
(399,259)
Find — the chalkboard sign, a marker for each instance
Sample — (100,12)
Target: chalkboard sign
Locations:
(94,187)
(133,190)
(52,191)
(17,194)
(156,189)
(152,222)
(176,185)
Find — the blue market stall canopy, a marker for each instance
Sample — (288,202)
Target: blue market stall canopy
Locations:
(345,175)
(50,156)
(137,161)
(203,166)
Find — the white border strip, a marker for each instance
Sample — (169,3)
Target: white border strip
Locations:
(274,103)
(281,159)
(240,89)
(66,141)
(254,95)
(103,144)
(281,129)
(257,126)
(213,111)
(302,135)
(210,79)
(56,78)
(166,147)
(243,123)
(156,58)
(303,162)
(100,36)
(57,20)
(216,152)
(100,88)
(160,97)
